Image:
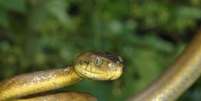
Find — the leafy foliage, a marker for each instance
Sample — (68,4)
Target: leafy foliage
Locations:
(45,34)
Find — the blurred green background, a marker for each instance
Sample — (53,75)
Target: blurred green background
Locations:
(148,34)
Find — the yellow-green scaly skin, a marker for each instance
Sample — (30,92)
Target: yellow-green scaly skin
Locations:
(90,65)
(32,83)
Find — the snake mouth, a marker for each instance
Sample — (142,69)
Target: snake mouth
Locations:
(97,74)
(91,74)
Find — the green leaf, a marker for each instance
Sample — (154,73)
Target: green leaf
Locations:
(15,5)
(4,21)
(57,8)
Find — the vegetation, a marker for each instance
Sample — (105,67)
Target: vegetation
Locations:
(148,34)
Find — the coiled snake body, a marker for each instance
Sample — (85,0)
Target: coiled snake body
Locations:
(91,65)
(178,78)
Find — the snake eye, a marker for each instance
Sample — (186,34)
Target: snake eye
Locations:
(120,59)
(98,61)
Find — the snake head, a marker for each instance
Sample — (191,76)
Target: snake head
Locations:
(99,66)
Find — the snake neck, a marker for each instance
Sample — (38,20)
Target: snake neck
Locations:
(37,82)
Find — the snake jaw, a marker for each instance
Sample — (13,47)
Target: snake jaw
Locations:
(88,72)
(96,73)
(116,74)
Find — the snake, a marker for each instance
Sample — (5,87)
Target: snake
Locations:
(101,66)
(178,78)
(87,65)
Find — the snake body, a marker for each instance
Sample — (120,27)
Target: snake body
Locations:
(181,75)
(67,96)
(90,65)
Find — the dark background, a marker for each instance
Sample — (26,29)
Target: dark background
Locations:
(148,34)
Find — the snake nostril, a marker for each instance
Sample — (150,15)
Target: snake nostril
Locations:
(111,65)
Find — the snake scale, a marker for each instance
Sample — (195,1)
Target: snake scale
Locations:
(89,65)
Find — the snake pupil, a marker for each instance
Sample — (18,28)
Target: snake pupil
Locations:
(120,59)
